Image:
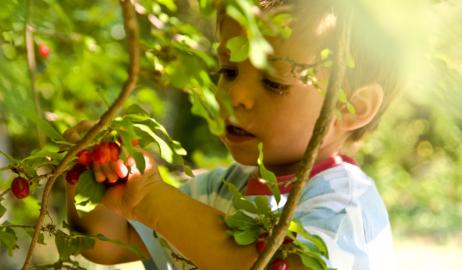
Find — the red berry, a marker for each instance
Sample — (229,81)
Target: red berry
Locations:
(115,150)
(260,246)
(279,264)
(134,142)
(20,187)
(44,51)
(84,157)
(73,175)
(261,242)
(101,153)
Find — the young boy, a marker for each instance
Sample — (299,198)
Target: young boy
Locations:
(340,203)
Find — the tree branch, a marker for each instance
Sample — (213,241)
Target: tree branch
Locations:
(32,69)
(320,130)
(131,28)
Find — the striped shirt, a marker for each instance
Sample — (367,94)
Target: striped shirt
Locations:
(340,204)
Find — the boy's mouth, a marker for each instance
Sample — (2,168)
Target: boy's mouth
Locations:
(237,134)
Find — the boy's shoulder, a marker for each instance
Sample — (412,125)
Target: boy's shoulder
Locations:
(348,181)
(343,206)
(209,187)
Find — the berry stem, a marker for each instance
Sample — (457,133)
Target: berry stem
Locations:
(131,28)
(320,129)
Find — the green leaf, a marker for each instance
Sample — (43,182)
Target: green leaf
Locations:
(240,221)
(166,152)
(244,204)
(351,109)
(239,201)
(88,188)
(282,22)
(317,241)
(139,159)
(8,239)
(8,35)
(246,237)
(239,48)
(206,106)
(312,262)
(136,110)
(9,51)
(174,146)
(263,204)
(342,98)
(168,4)
(127,136)
(129,247)
(41,237)
(268,176)
(259,49)
(44,155)
(68,245)
(235,12)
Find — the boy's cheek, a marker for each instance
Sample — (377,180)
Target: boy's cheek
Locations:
(225,105)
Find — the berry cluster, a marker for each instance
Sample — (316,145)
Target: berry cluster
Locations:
(278,263)
(101,154)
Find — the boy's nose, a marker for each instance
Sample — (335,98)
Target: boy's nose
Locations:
(241,94)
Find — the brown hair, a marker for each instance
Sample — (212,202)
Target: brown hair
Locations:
(376,54)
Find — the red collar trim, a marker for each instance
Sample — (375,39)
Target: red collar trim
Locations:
(256,187)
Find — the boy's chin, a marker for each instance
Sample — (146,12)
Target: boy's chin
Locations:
(245,160)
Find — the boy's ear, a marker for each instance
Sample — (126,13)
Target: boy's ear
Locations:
(366,101)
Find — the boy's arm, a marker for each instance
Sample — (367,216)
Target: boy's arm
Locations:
(196,229)
(104,221)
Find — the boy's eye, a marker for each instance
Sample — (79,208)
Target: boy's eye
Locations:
(276,87)
(228,73)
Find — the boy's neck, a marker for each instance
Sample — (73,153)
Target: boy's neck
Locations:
(292,168)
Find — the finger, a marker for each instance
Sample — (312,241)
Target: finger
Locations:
(99,175)
(131,161)
(119,168)
(109,173)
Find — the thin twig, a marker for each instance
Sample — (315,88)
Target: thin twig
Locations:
(320,129)
(32,69)
(5,192)
(131,28)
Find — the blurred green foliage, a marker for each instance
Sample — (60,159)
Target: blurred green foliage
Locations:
(414,156)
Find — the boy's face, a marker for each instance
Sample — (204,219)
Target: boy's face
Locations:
(277,109)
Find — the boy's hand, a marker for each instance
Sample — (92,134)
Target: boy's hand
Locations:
(123,198)
(113,170)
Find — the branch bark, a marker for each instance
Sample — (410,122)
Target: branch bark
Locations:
(132,30)
(319,132)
